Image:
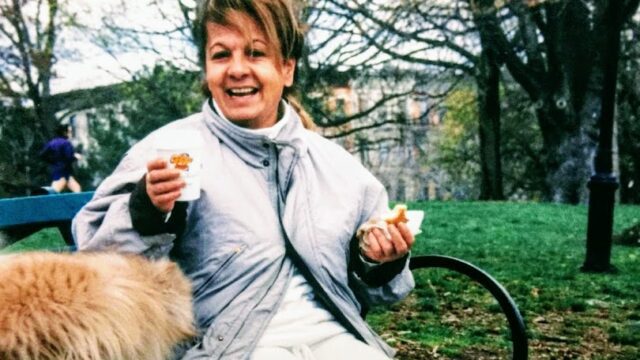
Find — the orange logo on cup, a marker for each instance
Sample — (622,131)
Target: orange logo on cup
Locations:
(181,161)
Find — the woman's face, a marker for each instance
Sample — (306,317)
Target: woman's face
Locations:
(244,75)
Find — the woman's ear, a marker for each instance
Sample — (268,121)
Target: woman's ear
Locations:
(288,71)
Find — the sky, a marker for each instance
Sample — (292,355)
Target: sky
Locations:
(83,64)
(86,65)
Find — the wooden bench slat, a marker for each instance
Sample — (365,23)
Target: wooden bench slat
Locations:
(41,209)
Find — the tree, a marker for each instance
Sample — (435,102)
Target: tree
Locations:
(153,98)
(628,114)
(29,31)
(443,36)
(334,48)
(28,34)
(332,51)
(555,51)
(458,145)
(19,169)
(488,80)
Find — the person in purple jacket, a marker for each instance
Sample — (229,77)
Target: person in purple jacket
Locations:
(60,155)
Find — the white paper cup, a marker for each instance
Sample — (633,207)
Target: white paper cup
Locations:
(182,149)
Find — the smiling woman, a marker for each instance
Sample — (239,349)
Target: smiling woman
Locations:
(245,75)
(271,245)
(268,35)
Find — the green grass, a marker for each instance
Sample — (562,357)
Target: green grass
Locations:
(535,251)
(49,239)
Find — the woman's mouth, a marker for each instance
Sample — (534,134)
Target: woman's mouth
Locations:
(245,91)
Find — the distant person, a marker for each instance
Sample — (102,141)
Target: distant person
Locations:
(60,155)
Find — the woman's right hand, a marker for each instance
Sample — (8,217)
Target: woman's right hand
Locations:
(164,184)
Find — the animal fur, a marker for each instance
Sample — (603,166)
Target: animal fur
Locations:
(91,306)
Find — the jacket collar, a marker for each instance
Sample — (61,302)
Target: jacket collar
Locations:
(250,146)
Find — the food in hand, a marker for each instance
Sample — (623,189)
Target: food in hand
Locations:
(397,215)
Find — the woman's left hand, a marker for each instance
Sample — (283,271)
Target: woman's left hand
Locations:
(377,247)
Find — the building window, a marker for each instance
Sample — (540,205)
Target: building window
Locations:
(340,107)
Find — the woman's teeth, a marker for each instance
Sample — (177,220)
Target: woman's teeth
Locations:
(242,91)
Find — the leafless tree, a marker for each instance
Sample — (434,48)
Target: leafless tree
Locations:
(28,36)
(555,50)
(447,37)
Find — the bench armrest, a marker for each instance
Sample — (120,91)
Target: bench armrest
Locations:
(508,306)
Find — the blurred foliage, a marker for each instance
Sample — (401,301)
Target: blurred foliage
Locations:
(155,97)
(458,144)
(21,169)
(628,115)
(521,142)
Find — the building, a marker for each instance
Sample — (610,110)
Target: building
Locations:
(395,136)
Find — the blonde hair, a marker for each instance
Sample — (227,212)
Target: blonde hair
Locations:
(278,20)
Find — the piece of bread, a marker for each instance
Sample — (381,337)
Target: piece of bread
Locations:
(397,215)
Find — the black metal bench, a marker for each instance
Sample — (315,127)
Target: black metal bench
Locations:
(20,217)
(507,305)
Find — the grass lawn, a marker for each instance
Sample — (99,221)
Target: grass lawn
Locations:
(535,251)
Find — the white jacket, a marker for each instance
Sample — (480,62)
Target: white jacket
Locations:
(231,242)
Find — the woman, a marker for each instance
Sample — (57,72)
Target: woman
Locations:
(60,155)
(270,246)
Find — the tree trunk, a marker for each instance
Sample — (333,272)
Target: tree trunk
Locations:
(488,92)
(567,156)
(628,119)
(568,98)
(488,98)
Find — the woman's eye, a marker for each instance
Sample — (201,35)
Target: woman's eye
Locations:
(219,55)
(256,53)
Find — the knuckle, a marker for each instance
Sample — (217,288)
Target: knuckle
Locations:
(387,249)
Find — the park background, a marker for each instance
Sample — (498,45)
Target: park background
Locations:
(485,114)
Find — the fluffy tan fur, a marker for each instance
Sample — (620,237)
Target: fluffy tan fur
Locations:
(91,306)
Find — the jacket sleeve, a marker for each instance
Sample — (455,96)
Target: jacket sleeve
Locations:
(105,223)
(376,284)
(147,220)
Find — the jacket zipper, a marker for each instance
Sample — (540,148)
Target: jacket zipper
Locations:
(304,269)
(315,284)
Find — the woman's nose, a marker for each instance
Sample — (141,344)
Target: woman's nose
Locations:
(239,66)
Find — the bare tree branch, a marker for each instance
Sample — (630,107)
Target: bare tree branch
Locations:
(362,128)
(337,121)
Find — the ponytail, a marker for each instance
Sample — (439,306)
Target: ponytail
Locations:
(306,119)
